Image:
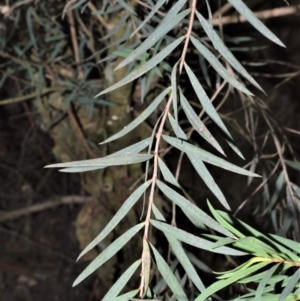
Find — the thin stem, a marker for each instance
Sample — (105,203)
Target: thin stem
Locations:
(153,184)
(188,34)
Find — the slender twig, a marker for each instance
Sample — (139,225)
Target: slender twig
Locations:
(65,200)
(153,184)
(188,34)
(264,14)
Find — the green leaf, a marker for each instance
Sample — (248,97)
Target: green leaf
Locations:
(241,7)
(222,242)
(127,205)
(290,286)
(193,240)
(224,51)
(218,66)
(208,179)
(169,277)
(142,116)
(209,108)
(176,128)
(262,284)
(144,67)
(292,245)
(198,125)
(192,209)
(206,156)
(105,161)
(223,283)
(223,222)
(109,252)
(154,37)
(168,176)
(181,255)
(271,241)
(121,282)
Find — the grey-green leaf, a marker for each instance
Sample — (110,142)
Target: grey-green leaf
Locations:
(241,7)
(193,240)
(144,67)
(132,149)
(121,282)
(169,277)
(192,209)
(174,91)
(127,205)
(208,179)
(198,125)
(225,52)
(126,296)
(155,8)
(109,252)
(176,128)
(153,38)
(168,176)
(181,255)
(262,284)
(209,108)
(206,156)
(218,66)
(105,161)
(144,115)
(290,285)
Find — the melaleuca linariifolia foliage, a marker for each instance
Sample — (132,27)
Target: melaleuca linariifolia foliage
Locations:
(274,264)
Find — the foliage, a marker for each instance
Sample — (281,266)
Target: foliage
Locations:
(274,263)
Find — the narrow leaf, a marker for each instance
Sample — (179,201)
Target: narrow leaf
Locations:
(121,282)
(290,285)
(223,283)
(127,205)
(127,296)
(144,67)
(109,252)
(193,240)
(105,161)
(176,128)
(144,115)
(168,176)
(206,156)
(225,52)
(209,108)
(174,91)
(192,209)
(134,148)
(198,125)
(218,66)
(154,37)
(146,258)
(241,7)
(262,284)
(181,255)
(223,222)
(169,277)
(154,10)
(208,179)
